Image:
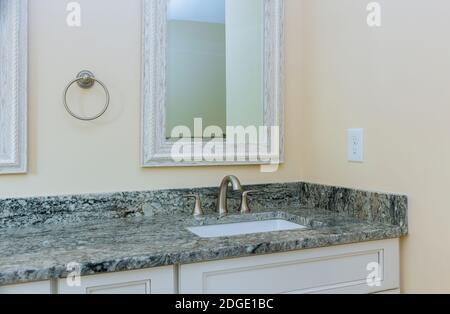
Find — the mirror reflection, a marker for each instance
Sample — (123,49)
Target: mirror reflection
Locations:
(215,63)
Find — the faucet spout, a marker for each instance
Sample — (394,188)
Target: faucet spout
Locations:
(222,204)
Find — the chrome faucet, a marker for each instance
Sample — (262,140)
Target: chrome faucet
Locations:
(222,204)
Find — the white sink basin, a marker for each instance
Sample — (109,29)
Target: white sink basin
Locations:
(242,228)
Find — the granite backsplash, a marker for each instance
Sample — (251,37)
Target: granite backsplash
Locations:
(369,206)
(376,207)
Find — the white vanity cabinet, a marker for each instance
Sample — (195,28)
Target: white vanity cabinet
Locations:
(159,280)
(338,269)
(41,287)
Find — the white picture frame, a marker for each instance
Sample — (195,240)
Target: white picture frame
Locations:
(156,149)
(13,86)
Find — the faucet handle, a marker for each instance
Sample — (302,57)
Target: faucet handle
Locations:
(245,209)
(198,210)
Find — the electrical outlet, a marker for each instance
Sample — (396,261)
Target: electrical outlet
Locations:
(355,145)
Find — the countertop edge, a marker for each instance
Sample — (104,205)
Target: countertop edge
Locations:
(143,261)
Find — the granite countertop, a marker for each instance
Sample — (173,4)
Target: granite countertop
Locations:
(109,245)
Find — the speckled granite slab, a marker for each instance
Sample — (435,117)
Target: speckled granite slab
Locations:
(370,206)
(102,246)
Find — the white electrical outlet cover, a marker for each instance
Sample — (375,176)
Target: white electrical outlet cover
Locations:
(355,145)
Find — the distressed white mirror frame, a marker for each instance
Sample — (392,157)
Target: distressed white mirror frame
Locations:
(13,86)
(156,148)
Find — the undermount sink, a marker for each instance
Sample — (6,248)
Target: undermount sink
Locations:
(243,228)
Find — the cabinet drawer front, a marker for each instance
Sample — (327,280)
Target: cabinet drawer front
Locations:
(341,268)
(42,287)
(147,281)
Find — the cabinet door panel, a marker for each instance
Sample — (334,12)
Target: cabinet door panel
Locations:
(138,287)
(147,281)
(326,270)
(43,287)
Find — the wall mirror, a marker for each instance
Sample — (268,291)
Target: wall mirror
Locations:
(13,86)
(212,82)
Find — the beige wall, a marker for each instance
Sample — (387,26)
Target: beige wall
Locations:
(394,82)
(68,156)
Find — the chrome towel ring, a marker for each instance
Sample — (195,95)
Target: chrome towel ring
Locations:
(86,79)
